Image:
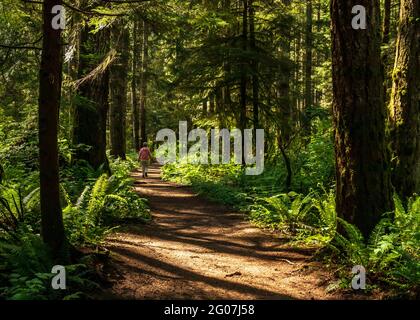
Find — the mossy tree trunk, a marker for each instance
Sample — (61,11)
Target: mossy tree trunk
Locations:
(405,102)
(363,184)
(91,107)
(120,38)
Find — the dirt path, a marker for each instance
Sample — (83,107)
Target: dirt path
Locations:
(195,249)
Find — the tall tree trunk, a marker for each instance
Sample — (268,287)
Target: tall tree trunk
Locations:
(387,55)
(287,163)
(363,180)
(297,78)
(134,97)
(318,92)
(243,102)
(120,38)
(405,101)
(387,21)
(50,79)
(143,100)
(308,67)
(284,88)
(227,68)
(73,67)
(91,107)
(285,107)
(244,80)
(254,66)
(219,106)
(212,107)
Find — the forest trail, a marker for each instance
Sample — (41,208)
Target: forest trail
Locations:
(196,249)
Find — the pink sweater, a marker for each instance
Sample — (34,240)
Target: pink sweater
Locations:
(144,154)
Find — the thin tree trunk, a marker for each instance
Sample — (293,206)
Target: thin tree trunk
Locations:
(298,68)
(284,89)
(205,108)
(405,102)
(288,182)
(73,67)
(212,107)
(143,101)
(134,97)
(318,93)
(363,188)
(243,102)
(285,110)
(118,89)
(227,98)
(308,67)
(387,21)
(219,106)
(254,67)
(50,79)
(244,78)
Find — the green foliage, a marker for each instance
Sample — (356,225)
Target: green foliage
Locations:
(288,212)
(11,209)
(314,163)
(185,69)
(309,217)
(219,182)
(107,201)
(25,270)
(104,201)
(392,253)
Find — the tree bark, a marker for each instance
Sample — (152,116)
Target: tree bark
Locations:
(243,102)
(219,106)
(91,108)
(50,79)
(297,77)
(318,92)
(254,66)
(285,108)
(134,97)
(212,106)
(118,89)
(308,67)
(363,188)
(405,102)
(387,21)
(288,182)
(143,100)
(204,108)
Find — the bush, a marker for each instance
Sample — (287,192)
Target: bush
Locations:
(25,267)
(89,214)
(392,253)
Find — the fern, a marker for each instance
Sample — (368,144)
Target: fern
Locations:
(97,196)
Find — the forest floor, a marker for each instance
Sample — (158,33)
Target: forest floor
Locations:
(196,249)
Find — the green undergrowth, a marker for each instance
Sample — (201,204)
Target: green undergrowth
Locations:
(390,256)
(94,203)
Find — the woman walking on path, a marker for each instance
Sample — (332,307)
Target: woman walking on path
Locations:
(145,156)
